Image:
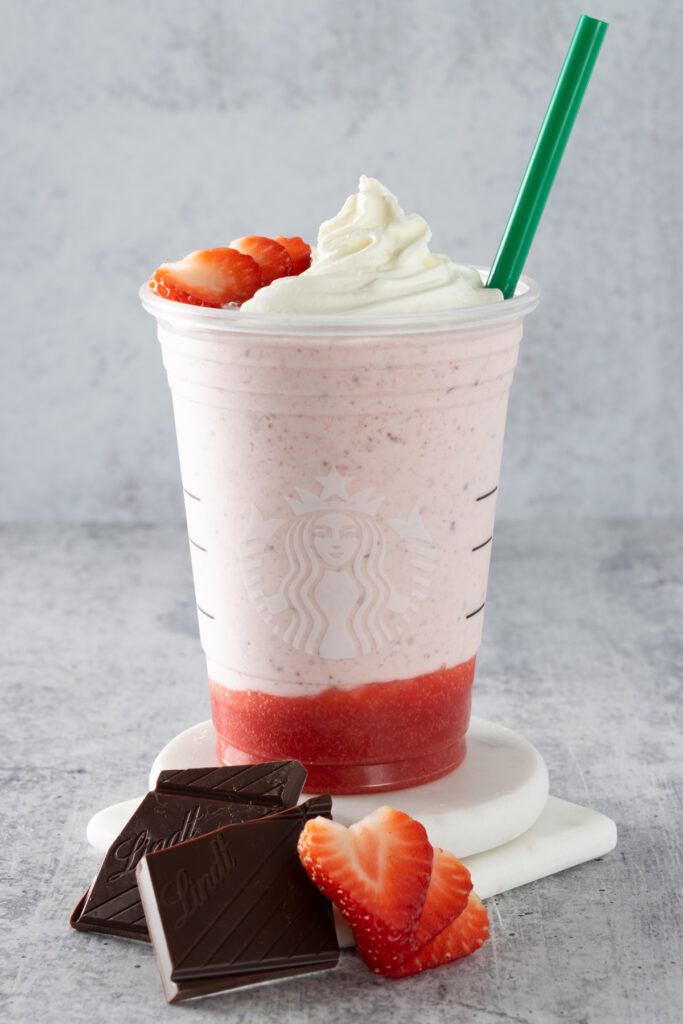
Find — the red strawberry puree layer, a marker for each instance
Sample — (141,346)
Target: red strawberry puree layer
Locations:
(378,736)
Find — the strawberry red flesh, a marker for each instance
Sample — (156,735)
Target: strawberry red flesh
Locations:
(210,277)
(376,872)
(449,887)
(299,252)
(169,291)
(272,258)
(463,936)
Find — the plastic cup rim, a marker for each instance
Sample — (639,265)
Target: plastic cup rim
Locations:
(526,298)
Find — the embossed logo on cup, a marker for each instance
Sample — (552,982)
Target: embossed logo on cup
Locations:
(337,595)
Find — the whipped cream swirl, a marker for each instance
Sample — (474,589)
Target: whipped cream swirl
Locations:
(374,257)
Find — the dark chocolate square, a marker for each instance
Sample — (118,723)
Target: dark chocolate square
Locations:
(236,907)
(184,805)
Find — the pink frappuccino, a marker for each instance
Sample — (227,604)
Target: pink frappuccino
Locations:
(340,468)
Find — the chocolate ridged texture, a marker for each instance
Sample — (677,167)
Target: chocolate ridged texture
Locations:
(236,907)
(277,784)
(183,809)
(314,807)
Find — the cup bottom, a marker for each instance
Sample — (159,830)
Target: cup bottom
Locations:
(347,779)
(368,738)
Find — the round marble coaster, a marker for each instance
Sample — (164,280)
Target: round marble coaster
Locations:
(497,793)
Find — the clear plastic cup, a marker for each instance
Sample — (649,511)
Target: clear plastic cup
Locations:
(340,477)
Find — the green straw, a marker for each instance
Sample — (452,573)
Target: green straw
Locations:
(547,153)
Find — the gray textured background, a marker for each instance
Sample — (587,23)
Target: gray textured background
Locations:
(137,132)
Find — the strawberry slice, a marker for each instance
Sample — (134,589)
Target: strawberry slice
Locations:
(463,936)
(376,872)
(209,277)
(169,291)
(272,258)
(447,895)
(299,251)
(449,888)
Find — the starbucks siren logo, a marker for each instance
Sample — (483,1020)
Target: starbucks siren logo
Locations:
(336,598)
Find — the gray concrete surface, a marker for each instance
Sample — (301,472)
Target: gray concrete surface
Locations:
(135,134)
(582,654)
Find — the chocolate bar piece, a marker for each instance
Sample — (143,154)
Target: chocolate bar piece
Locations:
(185,804)
(236,908)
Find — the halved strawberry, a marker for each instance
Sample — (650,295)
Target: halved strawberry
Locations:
(449,887)
(299,251)
(211,277)
(272,258)
(463,936)
(376,872)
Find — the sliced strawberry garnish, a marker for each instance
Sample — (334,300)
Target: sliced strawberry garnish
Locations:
(210,277)
(169,291)
(299,251)
(463,936)
(272,258)
(376,872)
(447,895)
(449,888)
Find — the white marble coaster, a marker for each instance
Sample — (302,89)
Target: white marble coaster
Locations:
(565,835)
(494,811)
(497,793)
